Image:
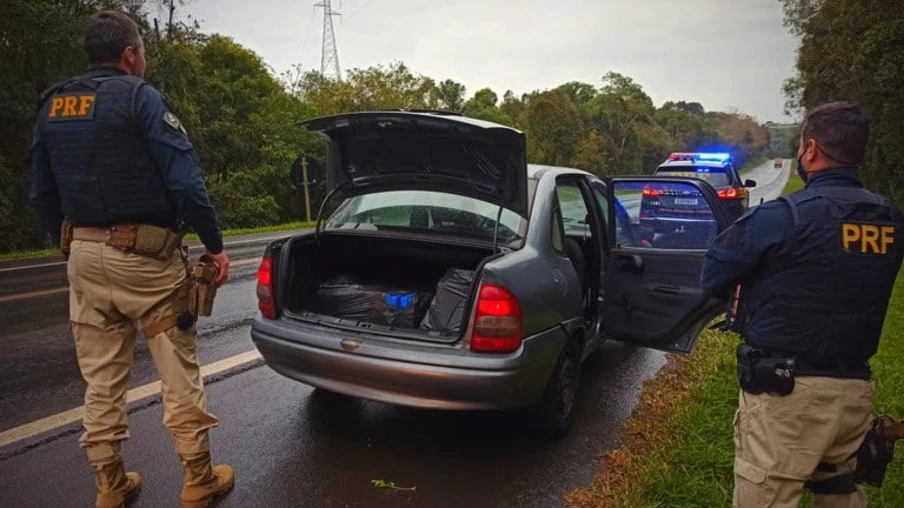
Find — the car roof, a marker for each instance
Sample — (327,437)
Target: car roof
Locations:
(536,171)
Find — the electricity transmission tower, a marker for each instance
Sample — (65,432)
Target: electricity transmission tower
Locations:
(329,59)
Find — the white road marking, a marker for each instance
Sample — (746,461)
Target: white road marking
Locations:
(43,425)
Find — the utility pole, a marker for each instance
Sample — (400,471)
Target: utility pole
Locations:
(329,59)
(307,195)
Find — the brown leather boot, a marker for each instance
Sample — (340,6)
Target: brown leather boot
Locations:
(203,482)
(114,485)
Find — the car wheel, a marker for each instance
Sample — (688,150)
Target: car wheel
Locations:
(555,410)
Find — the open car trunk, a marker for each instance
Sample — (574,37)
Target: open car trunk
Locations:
(405,288)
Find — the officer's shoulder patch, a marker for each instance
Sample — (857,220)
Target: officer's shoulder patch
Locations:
(173,121)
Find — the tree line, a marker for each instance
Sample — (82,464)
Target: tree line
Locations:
(242,116)
(852,50)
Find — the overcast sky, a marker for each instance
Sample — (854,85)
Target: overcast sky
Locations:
(721,53)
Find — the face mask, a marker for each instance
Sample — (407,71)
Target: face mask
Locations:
(801,171)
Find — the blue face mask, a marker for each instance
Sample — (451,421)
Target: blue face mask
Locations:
(801,171)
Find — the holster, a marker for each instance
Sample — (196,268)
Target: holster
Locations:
(203,287)
(874,455)
(760,372)
(65,236)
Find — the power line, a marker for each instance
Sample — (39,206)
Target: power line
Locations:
(329,58)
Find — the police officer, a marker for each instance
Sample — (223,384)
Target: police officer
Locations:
(111,158)
(816,271)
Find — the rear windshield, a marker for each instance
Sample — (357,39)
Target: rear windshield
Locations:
(428,212)
(717,177)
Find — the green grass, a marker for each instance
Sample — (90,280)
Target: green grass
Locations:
(692,465)
(25,254)
(794,182)
(38,253)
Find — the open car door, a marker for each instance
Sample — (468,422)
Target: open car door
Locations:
(651,293)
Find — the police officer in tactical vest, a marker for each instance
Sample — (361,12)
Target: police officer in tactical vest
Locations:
(816,271)
(114,178)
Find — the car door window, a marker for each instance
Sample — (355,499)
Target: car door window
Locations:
(573,209)
(624,235)
(669,215)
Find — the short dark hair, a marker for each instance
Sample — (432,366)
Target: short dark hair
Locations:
(107,34)
(841,129)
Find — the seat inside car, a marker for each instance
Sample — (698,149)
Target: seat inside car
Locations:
(576,255)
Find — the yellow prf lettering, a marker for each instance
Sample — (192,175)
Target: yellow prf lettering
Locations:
(867,238)
(869,235)
(55,106)
(85,104)
(850,233)
(888,238)
(69,106)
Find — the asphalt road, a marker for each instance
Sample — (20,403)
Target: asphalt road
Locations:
(292,446)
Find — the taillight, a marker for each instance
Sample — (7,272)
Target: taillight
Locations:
(497,321)
(650,193)
(731,193)
(265,301)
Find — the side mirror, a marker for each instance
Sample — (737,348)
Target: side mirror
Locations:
(749,183)
(305,170)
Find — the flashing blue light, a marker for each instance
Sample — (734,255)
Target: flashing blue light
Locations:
(718,157)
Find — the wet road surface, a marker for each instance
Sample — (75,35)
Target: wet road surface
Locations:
(290,445)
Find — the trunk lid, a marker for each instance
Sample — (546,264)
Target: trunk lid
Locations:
(405,150)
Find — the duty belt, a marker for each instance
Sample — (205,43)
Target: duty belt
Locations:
(805,368)
(144,239)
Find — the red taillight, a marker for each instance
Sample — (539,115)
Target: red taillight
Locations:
(651,193)
(497,321)
(731,193)
(265,289)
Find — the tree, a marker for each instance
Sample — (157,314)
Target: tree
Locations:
(554,129)
(451,95)
(850,50)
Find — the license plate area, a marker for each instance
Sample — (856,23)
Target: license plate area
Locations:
(687,201)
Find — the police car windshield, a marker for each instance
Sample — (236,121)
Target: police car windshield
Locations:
(717,177)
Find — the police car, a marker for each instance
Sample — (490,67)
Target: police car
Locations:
(683,210)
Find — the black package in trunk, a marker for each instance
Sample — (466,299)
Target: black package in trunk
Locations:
(345,298)
(447,309)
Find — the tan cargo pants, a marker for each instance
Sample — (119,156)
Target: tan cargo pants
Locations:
(779,441)
(111,291)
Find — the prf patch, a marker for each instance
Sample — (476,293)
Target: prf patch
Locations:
(866,238)
(73,106)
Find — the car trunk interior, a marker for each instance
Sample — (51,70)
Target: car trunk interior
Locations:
(405,287)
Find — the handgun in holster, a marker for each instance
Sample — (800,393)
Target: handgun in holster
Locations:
(877,450)
(204,287)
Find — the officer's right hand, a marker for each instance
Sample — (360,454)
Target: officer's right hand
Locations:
(222,262)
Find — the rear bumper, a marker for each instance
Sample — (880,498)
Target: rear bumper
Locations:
(415,375)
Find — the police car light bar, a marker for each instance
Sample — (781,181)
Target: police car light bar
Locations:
(702,156)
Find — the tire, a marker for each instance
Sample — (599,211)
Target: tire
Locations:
(555,410)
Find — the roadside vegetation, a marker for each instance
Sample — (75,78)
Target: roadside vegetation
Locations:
(242,116)
(678,445)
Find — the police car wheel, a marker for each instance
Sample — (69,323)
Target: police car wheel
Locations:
(555,411)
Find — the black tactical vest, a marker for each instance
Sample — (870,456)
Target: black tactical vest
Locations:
(103,168)
(824,299)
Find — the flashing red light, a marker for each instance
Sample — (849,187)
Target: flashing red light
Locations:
(651,193)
